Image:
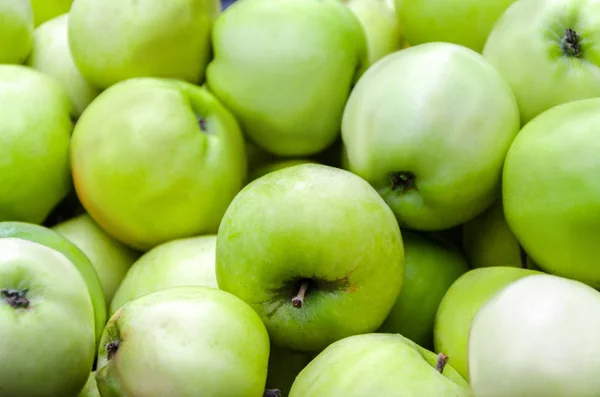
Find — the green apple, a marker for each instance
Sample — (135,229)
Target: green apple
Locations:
(35,124)
(156,160)
(461,303)
(538,336)
(115,40)
(91,388)
(45,10)
(558,228)
(184,341)
(50,54)
(181,262)
(275,165)
(110,258)
(255,155)
(46,322)
(285,68)
(546,51)
(315,251)
(379,365)
(16,30)
(418,127)
(464,22)
(284,366)
(431,267)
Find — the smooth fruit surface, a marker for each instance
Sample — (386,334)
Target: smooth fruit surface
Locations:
(16,29)
(44,10)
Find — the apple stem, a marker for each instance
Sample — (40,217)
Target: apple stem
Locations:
(15,298)
(402,181)
(201,123)
(272,393)
(442,360)
(111,349)
(298,300)
(570,44)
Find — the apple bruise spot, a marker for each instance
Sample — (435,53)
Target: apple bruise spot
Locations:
(441,362)
(402,181)
(570,44)
(298,300)
(15,298)
(272,393)
(111,349)
(202,123)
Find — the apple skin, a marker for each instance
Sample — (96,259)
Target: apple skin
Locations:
(558,228)
(431,267)
(35,120)
(184,341)
(110,258)
(45,10)
(91,388)
(16,31)
(461,303)
(312,220)
(284,366)
(377,365)
(156,160)
(48,346)
(418,127)
(188,261)
(285,69)
(538,336)
(526,47)
(115,40)
(276,165)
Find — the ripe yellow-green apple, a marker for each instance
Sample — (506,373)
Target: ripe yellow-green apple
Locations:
(431,267)
(46,322)
(315,251)
(35,120)
(461,303)
(115,40)
(51,55)
(285,68)
(537,337)
(464,22)
(110,258)
(181,262)
(156,160)
(546,51)
(284,367)
(429,127)
(184,341)
(558,228)
(16,30)
(45,10)
(379,365)
(275,165)
(91,388)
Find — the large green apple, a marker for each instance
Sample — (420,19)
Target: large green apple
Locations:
(538,336)
(429,127)
(184,341)
(546,50)
(315,251)
(181,262)
(46,322)
(379,365)
(461,303)
(431,267)
(91,388)
(157,159)
(45,10)
(35,130)
(284,367)
(110,258)
(115,40)
(285,68)
(16,30)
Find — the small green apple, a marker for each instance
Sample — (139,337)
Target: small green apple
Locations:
(115,40)
(45,10)
(156,160)
(285,68)
(418,127)
(431,267)
(546,50)
(91,387)
(276,165)
(181,262)
(35,125)
(184,341)
(538,336)
(16,30)
(284,366)
(315,251)
(46,322)
(379,365)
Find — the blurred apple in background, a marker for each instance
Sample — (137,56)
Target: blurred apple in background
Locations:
(16,30)
(45,10)
(91,388)
(284,366)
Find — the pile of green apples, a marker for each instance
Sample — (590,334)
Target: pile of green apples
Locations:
(304,198)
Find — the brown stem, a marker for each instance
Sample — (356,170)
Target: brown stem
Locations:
(298,300)
(442,360)
(15,298)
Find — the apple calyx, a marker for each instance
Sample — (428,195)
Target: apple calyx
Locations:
(441,362)
(15,298)
(402,181)
(570,44)
(202,123)
(272,393)
(298,300)
(111,349)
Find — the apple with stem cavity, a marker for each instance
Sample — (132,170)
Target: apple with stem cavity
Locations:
(16,30)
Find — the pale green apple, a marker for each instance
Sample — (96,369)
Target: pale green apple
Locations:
(431,267)
(538,336)
(157,159)
(461,303)
(46,322)
(546,50)
(284,366)
(379,365)
(45,10)
(275,165)
(51,55)
(558,228)
(184,342)
(285,68)
(181,262)
(110,258)
(116,40)
(16,30)
(419,127)
(315,251)
(35,125)
(91,388)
